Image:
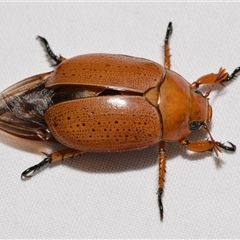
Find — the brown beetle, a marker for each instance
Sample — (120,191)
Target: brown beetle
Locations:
(110,103)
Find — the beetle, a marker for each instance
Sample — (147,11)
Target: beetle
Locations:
(111,103)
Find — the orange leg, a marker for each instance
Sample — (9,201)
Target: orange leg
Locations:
(215,78)
(202,146)
(167,63)
(211,78)
(54,157)
(162,171)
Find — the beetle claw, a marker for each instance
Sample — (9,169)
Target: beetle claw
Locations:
(31,171)
(231,148)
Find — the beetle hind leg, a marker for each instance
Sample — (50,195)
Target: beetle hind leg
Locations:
(162,171)
(54,57)
(167,55)
(50,158)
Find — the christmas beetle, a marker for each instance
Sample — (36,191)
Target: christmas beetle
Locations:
(110,103)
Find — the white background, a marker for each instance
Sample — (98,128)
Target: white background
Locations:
(114,195)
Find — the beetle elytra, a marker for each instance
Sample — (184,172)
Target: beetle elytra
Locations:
(111,103)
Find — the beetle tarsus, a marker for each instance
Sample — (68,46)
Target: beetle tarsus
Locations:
(31,171)
(159,193)
(167,55)
(54,57)
(233,74)
(231,148)
(168,33)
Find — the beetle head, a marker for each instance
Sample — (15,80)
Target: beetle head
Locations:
(200,112)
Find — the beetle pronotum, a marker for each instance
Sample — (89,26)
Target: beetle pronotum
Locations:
(110,103)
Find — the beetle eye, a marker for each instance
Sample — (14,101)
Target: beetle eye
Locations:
(195,125)
(198,92)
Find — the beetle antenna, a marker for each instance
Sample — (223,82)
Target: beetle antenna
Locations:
(233,75)
(54,57)
(31,171)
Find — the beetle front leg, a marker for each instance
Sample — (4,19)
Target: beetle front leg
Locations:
(54,157)
(162,171)
(202,146)
(212,78)
(215,78)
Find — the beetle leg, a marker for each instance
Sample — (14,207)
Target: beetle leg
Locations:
(202,146)
(54,157)
(167,55)
(162,171)
(199,146)
(221,77)
(211,78)
(54,57)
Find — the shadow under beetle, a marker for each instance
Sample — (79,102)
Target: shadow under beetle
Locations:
(110,103)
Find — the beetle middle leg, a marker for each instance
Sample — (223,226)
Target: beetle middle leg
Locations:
(167,55)
(162,171)
(50,158)
(54,57)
